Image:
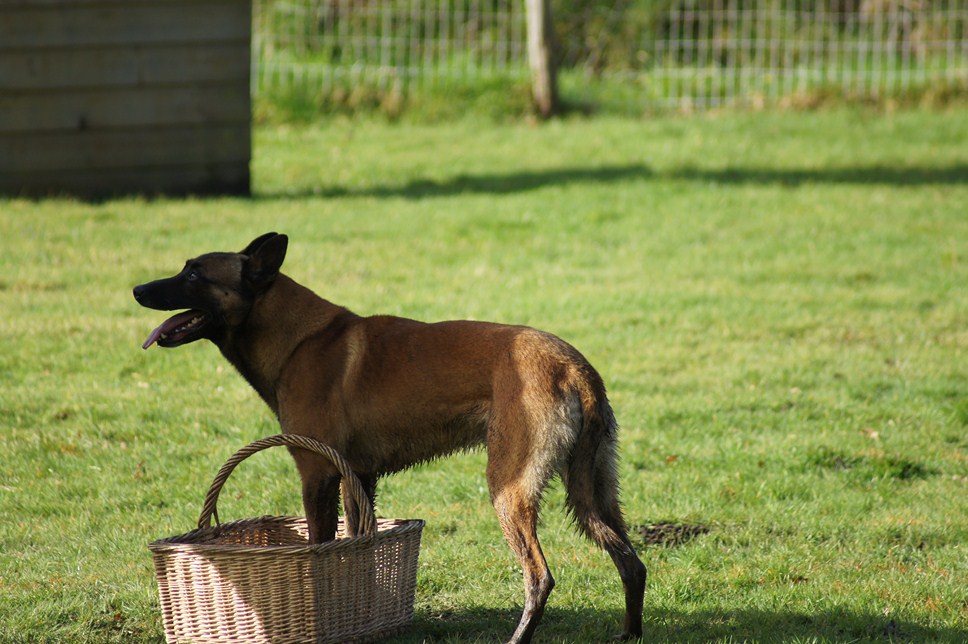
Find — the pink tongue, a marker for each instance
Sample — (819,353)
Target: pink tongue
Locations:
(169,325)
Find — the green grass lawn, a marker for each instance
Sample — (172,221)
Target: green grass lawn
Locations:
(776,300)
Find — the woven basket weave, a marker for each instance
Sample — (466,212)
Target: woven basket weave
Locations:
(259,580)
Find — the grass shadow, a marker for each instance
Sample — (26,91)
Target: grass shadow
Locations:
(493,183)
(832,625)
(482,624)
(878,174)
(517,182)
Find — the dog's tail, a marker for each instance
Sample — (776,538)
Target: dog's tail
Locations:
(591,475)
(591,486)
(591,483)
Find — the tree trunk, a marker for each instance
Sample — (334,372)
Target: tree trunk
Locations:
(544,85)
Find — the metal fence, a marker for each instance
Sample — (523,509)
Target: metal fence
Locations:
(399,44)
(653,54)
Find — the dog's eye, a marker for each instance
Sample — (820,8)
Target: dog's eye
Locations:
(192,276)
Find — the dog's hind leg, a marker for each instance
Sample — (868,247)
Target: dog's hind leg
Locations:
(518,515)
(516,476)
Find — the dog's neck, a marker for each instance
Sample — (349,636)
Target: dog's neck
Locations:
(280,320)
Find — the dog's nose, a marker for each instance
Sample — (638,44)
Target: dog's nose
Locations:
(138,292)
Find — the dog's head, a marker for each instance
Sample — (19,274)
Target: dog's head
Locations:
(218,289)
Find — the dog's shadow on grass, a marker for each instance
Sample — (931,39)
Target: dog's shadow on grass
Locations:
(516,182)
(589,625)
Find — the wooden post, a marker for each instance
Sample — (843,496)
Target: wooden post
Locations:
(544,85)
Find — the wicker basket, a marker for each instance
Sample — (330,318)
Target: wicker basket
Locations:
(259,580)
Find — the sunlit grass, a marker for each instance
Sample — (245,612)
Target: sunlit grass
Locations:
(776,302)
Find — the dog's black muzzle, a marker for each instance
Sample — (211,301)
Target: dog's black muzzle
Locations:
(168,295)
(160,295)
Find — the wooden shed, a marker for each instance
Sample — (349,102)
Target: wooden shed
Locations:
(101,97)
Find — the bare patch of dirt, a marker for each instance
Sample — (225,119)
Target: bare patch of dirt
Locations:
(669,535)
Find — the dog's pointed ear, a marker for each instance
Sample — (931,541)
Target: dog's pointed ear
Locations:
(263,263)
(255,243)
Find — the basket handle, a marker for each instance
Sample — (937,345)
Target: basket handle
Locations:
(351,484)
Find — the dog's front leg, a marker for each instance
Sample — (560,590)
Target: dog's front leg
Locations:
(321,501)
(320,493)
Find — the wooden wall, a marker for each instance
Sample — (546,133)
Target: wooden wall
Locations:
(101,97)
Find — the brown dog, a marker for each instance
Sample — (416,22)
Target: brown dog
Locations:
(389,392)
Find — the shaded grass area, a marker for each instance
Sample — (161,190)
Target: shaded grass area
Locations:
(776,302)
(507,98)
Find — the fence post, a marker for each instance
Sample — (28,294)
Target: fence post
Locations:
(544,85)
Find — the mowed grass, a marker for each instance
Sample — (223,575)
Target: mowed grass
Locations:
(776,301)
